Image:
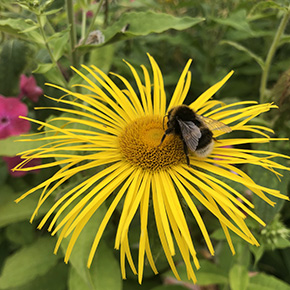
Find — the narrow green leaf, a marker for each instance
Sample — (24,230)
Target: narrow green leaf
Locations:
(29,29)
(43,68)
(266,282)
(28,263)
(239,277)
(52,11)
(240,47)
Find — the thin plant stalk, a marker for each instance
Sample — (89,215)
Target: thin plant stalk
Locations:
(73,37)
(49,49)
(91,27)
(270,55)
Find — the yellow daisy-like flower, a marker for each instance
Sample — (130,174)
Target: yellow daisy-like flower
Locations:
(117,133)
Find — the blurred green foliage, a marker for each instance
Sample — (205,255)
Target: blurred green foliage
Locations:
(47,37)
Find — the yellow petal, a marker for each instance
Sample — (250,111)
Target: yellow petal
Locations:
(203,98)
(181,91)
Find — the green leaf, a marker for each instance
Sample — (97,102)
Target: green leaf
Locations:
(28,263)
(99,276)
(59,43)
(239,277)
(243,254)
(240,47)
(265,5)
(53,76)
(43,68)
(282,243)
(21,233)
(268,179)
(13,145)
(3,173)
(54,279)
(266,282)
(52,11)
(257,252)
(13,59)
(102,57)
(237,20)
(209,273)
(32,28)
(170,287)
(21,28)
(144,23)
(12,26)
(10,212)
(284,39)
(75,281)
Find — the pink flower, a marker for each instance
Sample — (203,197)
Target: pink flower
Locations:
(10,124)
(29,88)
(11,162)
(90,14)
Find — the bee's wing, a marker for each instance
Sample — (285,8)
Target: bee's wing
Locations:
(214,124)
(190,133)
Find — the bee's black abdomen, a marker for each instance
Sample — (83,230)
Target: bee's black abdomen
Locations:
(205,139)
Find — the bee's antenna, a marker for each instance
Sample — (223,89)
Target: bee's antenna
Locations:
(163,121)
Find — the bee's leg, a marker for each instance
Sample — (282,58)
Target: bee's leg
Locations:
(185,149)
(168,131)
(162,139)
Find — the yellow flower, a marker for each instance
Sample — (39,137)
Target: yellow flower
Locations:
(117,133)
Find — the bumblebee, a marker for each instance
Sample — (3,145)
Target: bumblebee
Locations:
(194,130)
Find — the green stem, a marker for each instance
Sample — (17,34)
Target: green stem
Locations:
(73,35)
(270,55)
(84,22)
(93,22)
(49,50)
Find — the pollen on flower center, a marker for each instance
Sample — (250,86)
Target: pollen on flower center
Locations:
(140,144)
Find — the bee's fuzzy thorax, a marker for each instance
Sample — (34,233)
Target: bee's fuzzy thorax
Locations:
(183,112)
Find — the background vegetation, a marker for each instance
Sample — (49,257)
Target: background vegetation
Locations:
(45,38)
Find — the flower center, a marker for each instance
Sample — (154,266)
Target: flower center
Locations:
(140,144)
(4,120)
